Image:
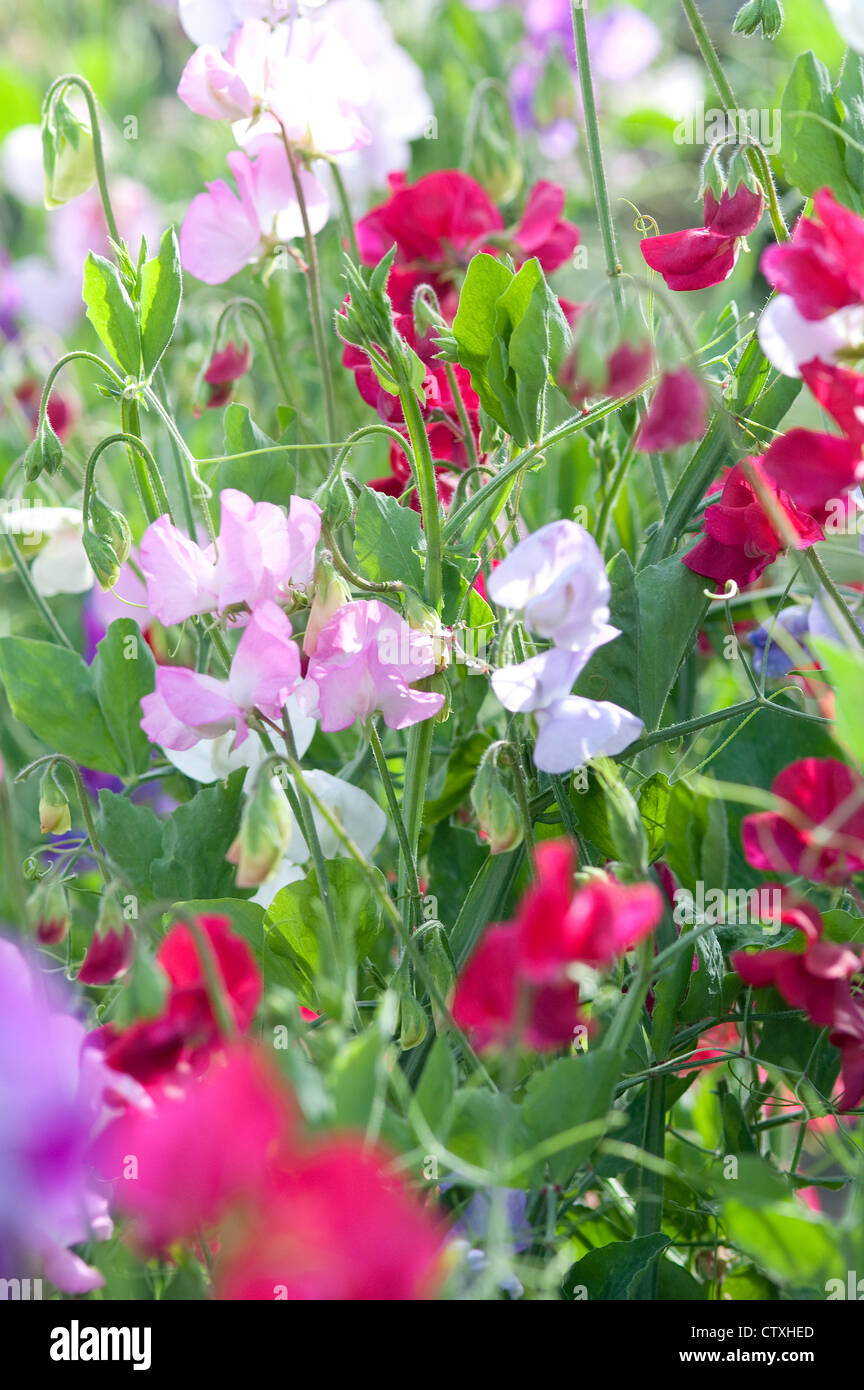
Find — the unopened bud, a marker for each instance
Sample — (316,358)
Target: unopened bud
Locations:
(265,831)
(54,816)
(331,594)
(67,155)
(44,454)
(47,911)
(107,541)
(767,13)
(112,946)
(495,806)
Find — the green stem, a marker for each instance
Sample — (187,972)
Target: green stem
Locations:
(131,421)
(345,207)
(613,491)
(756,156)
(74,80)
(595,150)
(426,487)
(467,432)
(813,562)
(310,835)
(417,758)
(156,487)
(313,287)
(396,814)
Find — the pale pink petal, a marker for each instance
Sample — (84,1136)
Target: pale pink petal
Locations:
(217,238)
(266,665)
(180,578)
(210,86)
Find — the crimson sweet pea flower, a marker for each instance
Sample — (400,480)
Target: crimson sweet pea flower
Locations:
(823,981)
(814,468)
(516,981)
(820,832)
(331,1224)
(226,366)
(186,1030)
(201,1148)
(739,540)
(822,268)
(445,218)
(677,413)
(699,257)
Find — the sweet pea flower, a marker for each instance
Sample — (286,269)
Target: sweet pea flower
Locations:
(572,730)
(60,565)
(364,660)
(259,554)
(678,413)
(202,1147)
(188,705)
(822,267)
(788,339)
(739,540)
(186,1032)
(703,256)
(236,85)
(226,367)
(557,578)
(492,993)
(53,1089)
(814,468)
(222,232)
(214,21)
(818,831)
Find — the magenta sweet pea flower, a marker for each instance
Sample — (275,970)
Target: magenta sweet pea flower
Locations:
(222,232)
(187,706)
(365,658)
(678,413)
(259,554)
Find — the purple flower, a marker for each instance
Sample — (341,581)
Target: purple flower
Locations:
(51,1095)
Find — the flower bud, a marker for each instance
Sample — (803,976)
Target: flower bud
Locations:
(67,155)
(493,158)
(495,806)
(265,832)
(54,816)
(47,911)
(421,618)
(226,367)
(413,1023)
(331,594)
(107,541)
(112,946)
(768,13)
(45,454)
(335,502)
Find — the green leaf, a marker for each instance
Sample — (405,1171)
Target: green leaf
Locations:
(570,1092)
(266,477)
(653,803)
(51,690)
(388,539)
(789,1247)
(846,671)
(161,290)
(437,1087)
(510,335)
(355,1078)
(610,1272)
(131,836)
(613,671)
(812,155)
(297,915)
(197,837)
(123,671)
(671,607)
(111,312)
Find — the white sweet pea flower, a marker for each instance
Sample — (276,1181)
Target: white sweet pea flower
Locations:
(214,759)
(574,730)
(557,578)
(61,565)
(788,339)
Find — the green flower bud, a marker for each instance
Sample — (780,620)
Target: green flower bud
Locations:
(494,802)
(438,959)
(107,541)
(53,806)
(413,1023)
(493,159)
(67,155)
(265,832)
(767,13)
(335,502)
(44,454)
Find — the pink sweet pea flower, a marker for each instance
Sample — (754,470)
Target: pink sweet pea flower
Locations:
(364,660)
(187,706)
(492,994)
(222,232)
(699,257)
(677,414)
(820,832)
(259,554)
(814,468)
(822,267)
(542,231)
(236,85)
